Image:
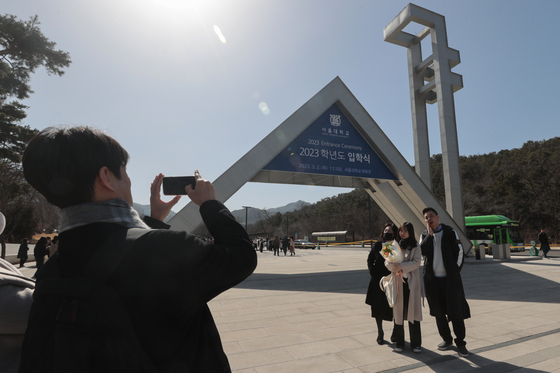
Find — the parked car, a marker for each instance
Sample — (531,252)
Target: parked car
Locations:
(303,244)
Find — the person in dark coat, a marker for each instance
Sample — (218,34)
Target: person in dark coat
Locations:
(285,244)
(53,247)
(443,260)
(543,240)
(376,298)
(48,247)
(276,245)
(22,252)
(167,278)
(40,251)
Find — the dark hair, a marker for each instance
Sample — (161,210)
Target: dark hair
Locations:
(427,209)
(62,163)
(393,228)
(409,242)
(41,242)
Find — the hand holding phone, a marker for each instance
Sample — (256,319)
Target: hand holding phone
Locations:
(159,209)
(175,185)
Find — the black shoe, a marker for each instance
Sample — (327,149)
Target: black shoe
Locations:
(380,339)
(463,352)
(393,338)
(444,345)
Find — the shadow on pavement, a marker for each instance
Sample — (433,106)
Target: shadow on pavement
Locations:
(484,282)
(447,363)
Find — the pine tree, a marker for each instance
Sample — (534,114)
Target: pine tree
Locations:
(23,48)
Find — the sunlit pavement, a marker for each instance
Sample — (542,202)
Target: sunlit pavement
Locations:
(307,314)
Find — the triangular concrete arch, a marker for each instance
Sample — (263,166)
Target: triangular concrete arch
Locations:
(401,197)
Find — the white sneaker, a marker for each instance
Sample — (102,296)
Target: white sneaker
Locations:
(398,349)
(417,350)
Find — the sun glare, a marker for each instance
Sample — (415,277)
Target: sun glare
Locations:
(219,33)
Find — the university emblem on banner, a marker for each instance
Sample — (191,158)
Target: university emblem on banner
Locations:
(335,120)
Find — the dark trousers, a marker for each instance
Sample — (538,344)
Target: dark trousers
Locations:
(442,322)
(413,327)
(545,249)
(22,261)
(39,260)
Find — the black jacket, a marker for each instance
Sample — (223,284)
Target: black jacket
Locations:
(375,297)
(452,254)
(543,238)
(165,282)
(22,251)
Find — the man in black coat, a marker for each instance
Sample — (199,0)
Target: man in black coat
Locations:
(443,260)
(543,240)
(167,277)
(285,244)
(22,252)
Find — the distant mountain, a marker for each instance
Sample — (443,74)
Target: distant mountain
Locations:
(253,213)
(145,210)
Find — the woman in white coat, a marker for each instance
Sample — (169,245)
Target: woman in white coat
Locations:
(409,295)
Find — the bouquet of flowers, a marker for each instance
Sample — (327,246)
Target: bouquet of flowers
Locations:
(392,252)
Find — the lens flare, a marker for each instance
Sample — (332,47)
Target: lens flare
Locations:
(264,108)
(219,33)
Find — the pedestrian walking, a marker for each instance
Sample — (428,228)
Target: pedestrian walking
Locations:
(543,240)
(22,252)
(276,245)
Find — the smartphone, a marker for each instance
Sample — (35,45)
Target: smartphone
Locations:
(175,185)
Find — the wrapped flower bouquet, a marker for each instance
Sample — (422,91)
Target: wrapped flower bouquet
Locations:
(392,252)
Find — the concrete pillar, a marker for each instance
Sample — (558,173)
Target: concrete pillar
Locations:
(419,117)
(447,123)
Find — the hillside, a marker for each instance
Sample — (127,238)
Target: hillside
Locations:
(253,214)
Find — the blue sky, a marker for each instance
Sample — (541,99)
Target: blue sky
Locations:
(158,77)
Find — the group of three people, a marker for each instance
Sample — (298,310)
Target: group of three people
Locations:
(443,259)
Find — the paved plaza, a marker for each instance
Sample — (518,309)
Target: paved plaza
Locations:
(307,314)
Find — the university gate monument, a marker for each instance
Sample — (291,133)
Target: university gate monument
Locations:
(332,140)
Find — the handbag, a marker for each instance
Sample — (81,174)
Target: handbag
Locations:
(389,286)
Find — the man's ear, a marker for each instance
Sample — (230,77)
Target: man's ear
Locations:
(104,178)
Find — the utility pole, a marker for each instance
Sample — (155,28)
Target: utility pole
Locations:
(246,210)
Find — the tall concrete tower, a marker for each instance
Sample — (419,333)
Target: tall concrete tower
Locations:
(431,80)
